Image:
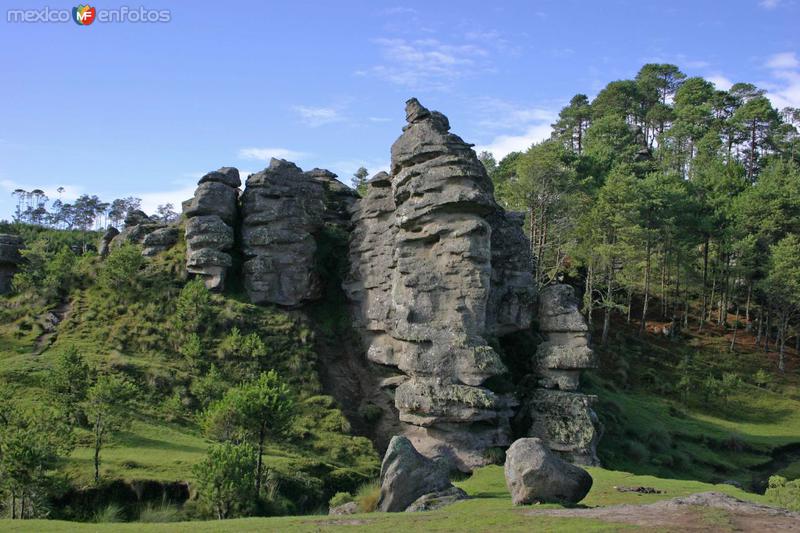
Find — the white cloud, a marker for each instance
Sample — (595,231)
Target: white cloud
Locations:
(784,91)
(151,200)
(265,154)
(769,4)
(428,63)
(785,60)
(502,145)
(722,83)
(317,116)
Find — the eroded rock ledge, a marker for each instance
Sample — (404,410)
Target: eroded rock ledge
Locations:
(437,268)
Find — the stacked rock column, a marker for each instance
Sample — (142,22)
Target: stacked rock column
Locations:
(211,215)
(560,415)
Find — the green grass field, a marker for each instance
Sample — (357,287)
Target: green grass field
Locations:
(489,509)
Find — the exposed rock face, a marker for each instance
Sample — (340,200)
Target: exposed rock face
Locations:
(344,509)
(210,218)
(556,413)
(437,500)
(9,259)
(104,245)
(535,474)
(160,240)
(407,477)
(436,267)
(282,209)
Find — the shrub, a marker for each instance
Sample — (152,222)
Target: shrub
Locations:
(119,274)
(370,412)
(367,496)
(161,513)
(495,455)
(340,498)
(784,493)
(191,348)
(637,451)
(110,514)
(226,479)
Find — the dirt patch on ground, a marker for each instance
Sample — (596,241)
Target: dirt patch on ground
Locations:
(707,511)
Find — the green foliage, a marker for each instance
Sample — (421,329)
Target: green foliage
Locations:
(109,514)
(119,273)
(784,493)
(32,442)
(159,513)
(48,269)
(108,405)
(192,348)
(69,381)
(193,307)
(340,498)
(226,480)
(367,496)
(209,387)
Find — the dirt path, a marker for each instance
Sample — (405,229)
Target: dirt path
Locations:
(706,511)
(49,322)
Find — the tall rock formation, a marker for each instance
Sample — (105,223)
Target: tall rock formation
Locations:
(10,258)
(556,413)
(282,209)
(436,268)
(211,216)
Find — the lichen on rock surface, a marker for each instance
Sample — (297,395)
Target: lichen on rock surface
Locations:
(432,277)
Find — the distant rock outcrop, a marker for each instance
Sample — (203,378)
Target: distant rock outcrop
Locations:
(535,474)
(436,268)
(210,218)
(103,247)
(411,481)
(10,258)
(557,413)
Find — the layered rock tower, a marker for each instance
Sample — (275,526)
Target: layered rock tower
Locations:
(210,219)
(557,413)
(436,269)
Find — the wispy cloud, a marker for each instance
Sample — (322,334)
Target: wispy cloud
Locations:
(516,127)
(318,116)
(721,82)
(769,4)
(399,10)
(265,154)
(784,88)
(784,60)
(428,63)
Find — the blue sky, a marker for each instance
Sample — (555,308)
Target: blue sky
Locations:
(119,109)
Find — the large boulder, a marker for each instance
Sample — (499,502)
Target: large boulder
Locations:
(535,474)
(160,240)
(104,245)
(438,268)
(407,476)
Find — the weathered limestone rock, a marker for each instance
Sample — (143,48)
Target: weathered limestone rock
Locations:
(344,509)
(10,258)
(407,476)
(437,267)
(210,218)
(282,209)
(160,240)
(437,500)
(104,245)
(535,474)
(560,416)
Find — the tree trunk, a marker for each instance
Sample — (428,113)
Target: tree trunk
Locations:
(97,445)
(643,324)
(260,461)
(735,329)
(532,237)
(664,283)
(630,298)
(588,297)
(607,318)
(752,167)
(767,328)
(747,305)
(782,334)
(705,284)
